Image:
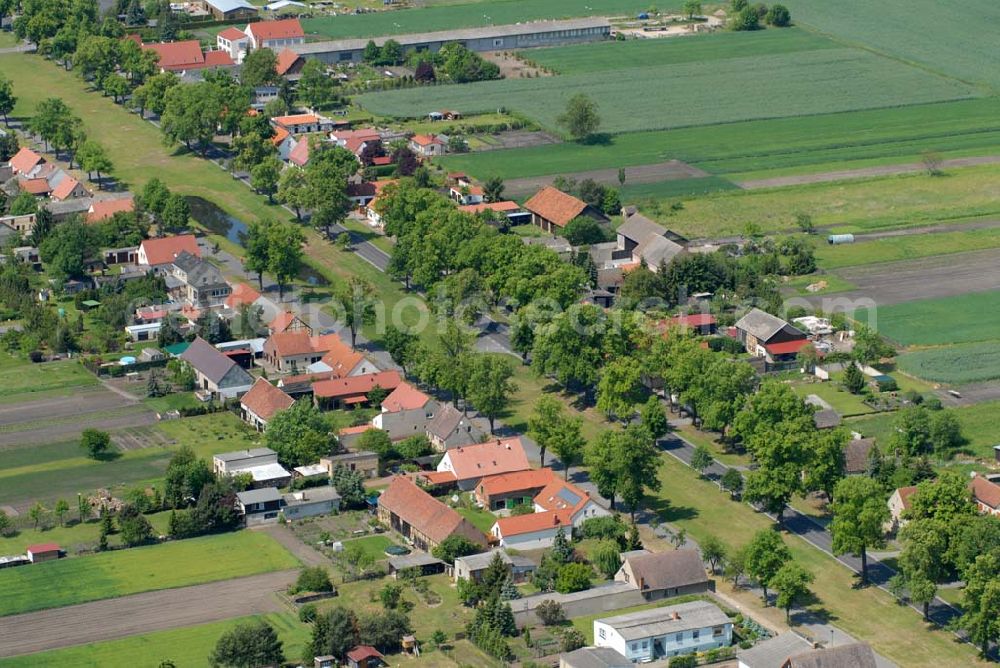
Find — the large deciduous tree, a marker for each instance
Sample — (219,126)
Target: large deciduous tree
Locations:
(859,517)
(580,119)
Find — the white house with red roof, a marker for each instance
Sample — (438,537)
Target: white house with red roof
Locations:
(559,504)
(25,161)
(234,42)
(426,146)
(187,56)
(262,403)
(161,252)
(275,35)
(106,208)
(298,124)
(471,463)
(405,412)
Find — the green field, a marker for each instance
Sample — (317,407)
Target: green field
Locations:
(73,537)
(467,15)
(808,143)
(980,426)
(481,518)
(969,363)
(928,32)
(930,322)
(23,381)
(186,647)
(695,93)
(832,393)
(119,573)
(905,248)
(60,470)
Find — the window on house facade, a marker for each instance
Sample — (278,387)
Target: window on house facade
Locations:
(602,634)
(635,647)
(679,637)
(717,631)
(695,634)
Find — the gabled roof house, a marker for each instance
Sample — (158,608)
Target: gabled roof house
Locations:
(420,518)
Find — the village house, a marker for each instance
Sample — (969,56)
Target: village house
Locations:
(24,162)
(286,321)
(426,146)
(293,351)
(216,374)
(310,502)
(899,502)
(259,506)
(593,657)
(852,655)
(289,62)
(472,463)
(649,635)
(362,461)
(262,402)
(640,239)
(552,209)
(234,42)
(186,56)
(559,505)
(297,124)
(405,412)
(471,567)
(66,187)
(103,209)
(364,656)
(229,10)
(512,210)
(353,390)
(467,195)
(986,495)
(507,490)
(856,455)
(343,360)
(160,253)
(420,518)
(767,336)
(241,295)
(196,282)
(283,143)
(664,574)
(261,463)
(451,428)
(275,35)
(773,652)
(697,323)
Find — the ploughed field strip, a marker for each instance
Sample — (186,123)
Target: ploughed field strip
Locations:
(672,170)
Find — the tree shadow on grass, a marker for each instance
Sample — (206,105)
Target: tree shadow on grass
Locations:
(108,456)
(661,509)
(598,139)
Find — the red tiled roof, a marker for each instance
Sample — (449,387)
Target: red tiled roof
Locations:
(554,205)
(300,152)
(405,398)
(165,249)
(691,320)
(286,59)
(363,652)
(490,206)
(282,321)
(281,29)
(507,483)
(357,385)
(264,399)
(296,119)
(382,160)
(106,208)
(218,59)
(786,347)
(521,524)
(486,459)
(437,477)
(905,493)
(242,294)
(280,134)
(35,186)
(560,495)
(178,55)
(296,342)
(25,160)
(359,429)
(985,492)
(423,512)
(425,140)
(232,33)
(339,356)
(39,548)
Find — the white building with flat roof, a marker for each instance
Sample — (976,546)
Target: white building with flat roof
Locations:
(664,632)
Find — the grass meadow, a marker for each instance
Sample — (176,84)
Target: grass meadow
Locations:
(965,318)
(189,646)
(23,381)
(909,247)
(968,363)
(947,37)
(120,573)
(468,15)
(800,144)
(980,425)
(695,93)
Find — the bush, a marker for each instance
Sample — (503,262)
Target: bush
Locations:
(609,527)
(572,639)
(573,577)
(550,613)
(684,661)
(307,613)
(315,579)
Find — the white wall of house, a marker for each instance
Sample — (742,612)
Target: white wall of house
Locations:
(534,540)
(672,644)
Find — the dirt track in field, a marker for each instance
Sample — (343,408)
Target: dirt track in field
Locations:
(60,418)
(926,278)
(663,171)
(862,173)
(141,613)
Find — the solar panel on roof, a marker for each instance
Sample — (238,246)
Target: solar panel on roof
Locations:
(568,496)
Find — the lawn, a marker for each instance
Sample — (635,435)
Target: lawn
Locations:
(735,89)
(119,573)
(955,365)
(74,536)
(372,545)
(20,380)
(842,401)
(808,143)
(965,318)
(481,519)
(890,26)
(466,15)
(870,615)
(188,646)
(905,247)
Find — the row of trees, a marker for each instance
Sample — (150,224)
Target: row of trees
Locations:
(59,127)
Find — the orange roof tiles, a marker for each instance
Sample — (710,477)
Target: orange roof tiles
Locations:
(487,459)
(424,513)
(65,188)
(25,160)
(300,152)
(356,385)
(339,356)
(425,140)
(165,249)
(490,206)
(264,399)
(554,205)
(359,429)
(286,59)
(985,492)
(241,295)
(280,134)
(283,321)
(178,55)
(289,343)
(232,34)
(296,119)
(218,59)
(522,524)
(106,208)
(35,186)
(560,495)
(281,29)
(507,483)
(905,493)
(405,398)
